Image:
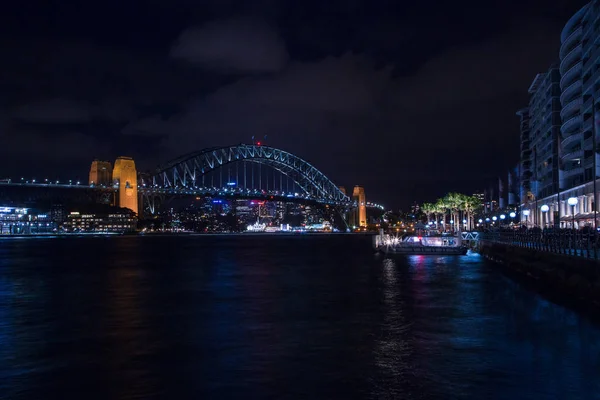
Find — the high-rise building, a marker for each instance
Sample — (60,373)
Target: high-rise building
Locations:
(125,177)
(544,128)
(101,173)
(526,155)
(360,212)
(576,149)
(540,138)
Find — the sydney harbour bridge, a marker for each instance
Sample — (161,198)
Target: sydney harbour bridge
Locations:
(240,171)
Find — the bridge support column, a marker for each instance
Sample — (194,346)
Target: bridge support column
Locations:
(125,178)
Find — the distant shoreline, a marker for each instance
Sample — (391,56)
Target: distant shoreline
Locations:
(60,235)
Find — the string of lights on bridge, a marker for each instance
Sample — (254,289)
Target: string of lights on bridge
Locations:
(231,190)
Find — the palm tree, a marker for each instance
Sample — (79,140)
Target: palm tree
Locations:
(471,205)
(441,208)
(454,204)
(428,209)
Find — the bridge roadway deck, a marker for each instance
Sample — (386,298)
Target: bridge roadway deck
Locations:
(199,191)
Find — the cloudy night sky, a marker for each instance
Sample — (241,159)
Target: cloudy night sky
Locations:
(408,99)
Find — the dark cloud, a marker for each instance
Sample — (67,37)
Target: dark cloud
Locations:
(239,45)
(54,111)
(483,71)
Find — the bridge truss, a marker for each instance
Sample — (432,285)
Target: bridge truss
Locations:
(239,170)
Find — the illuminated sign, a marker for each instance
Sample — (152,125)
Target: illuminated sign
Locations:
(6,209)
(230,183)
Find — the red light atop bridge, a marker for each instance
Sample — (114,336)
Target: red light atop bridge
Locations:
(258,143)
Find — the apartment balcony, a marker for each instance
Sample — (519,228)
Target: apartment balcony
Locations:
(588,124)
(575,137)
(573,73)
(587,105)
(571,109)
(568,173)
(590,161)
(588,144)
(570,41)
(593,59)
(572,124)
(572,155)
(570,92)
(570,59)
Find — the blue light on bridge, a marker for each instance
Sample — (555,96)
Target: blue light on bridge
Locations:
(230,183)
(217,201)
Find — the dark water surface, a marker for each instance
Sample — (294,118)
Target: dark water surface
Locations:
(272,317)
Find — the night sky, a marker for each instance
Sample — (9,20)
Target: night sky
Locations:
(410,100)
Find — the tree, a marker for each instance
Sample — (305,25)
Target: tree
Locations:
(428,209)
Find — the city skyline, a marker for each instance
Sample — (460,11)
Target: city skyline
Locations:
(356,100)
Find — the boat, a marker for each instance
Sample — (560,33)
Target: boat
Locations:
(419,245)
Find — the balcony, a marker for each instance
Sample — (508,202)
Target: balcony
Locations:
(571,58)
(571,109)
(568,173)
(573,73)
(572,155)
(567,44)
(587,105)
(588,124)
(573,138)
(570,92)
(593,58)
(571,124)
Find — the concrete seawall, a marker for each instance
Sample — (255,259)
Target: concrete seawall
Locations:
(576,279)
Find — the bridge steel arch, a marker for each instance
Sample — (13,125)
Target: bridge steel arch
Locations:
(185,171)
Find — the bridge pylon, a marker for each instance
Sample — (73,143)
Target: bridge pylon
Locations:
(124,177)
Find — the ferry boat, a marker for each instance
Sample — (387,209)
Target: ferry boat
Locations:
(419,245)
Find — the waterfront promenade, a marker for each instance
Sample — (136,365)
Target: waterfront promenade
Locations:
(585,244)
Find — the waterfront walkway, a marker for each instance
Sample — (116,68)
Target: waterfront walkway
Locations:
(565,242)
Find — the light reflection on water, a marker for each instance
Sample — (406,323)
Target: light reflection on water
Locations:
(277,317)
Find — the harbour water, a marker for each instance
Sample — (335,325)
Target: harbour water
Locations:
(281,317)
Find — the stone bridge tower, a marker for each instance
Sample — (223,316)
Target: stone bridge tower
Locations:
(360,213)
(124,176)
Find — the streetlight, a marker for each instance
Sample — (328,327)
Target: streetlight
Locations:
(544,209)
(512,214)
(572,202)
(494,218)
(502,216)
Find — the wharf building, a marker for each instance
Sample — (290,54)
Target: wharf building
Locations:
(559,160)
(118,220)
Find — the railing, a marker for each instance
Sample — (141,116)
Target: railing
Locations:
(585,244)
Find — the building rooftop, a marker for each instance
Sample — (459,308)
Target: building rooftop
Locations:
(537,81)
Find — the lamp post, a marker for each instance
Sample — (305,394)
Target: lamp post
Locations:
(572,202)
(526,214)
(544,209)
